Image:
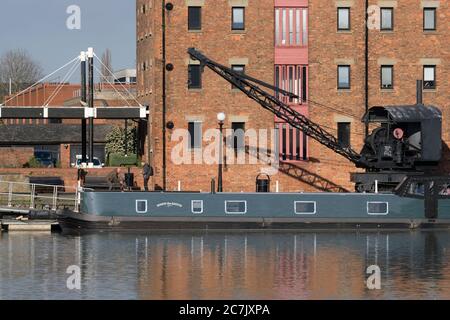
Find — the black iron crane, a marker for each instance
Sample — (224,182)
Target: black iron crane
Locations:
(252,88)
(407,141)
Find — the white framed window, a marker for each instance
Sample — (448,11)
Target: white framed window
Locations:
(141,206)
(235,207)
(377,208)
(197,206)
(305,207)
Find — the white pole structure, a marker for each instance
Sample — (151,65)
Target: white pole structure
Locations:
(179,185)
(90,56)
(10,86)
(376,186)
(277,186)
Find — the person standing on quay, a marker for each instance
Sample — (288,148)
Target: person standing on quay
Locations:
(113,178)
(147,172)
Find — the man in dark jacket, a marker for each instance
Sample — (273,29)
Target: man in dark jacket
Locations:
(113,178)
(147,172)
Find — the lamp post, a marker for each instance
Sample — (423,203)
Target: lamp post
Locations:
(221,118)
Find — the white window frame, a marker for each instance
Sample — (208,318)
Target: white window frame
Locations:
(227,201)
(377,213)
(308,213)
(146,205)
(192,206)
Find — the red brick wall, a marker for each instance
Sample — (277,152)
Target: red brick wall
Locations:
(406,45)
(69,176)
(15,157)
(218,42)
(327,106)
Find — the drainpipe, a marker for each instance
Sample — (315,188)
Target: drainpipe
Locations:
(419,94)
(164,168)
(366,57)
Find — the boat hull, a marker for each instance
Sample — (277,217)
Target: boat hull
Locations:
(259,211)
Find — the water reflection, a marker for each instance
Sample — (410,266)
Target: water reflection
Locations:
(237,265)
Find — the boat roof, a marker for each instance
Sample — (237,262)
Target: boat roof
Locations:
(403,113)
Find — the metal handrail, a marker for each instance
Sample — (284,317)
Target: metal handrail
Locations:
(56,196)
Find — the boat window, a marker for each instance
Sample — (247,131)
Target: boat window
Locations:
(197,206)
(236,207)
(141,206)
(417,189)
(377,208)
(305,207)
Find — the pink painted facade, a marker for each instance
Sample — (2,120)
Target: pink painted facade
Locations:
(291,71)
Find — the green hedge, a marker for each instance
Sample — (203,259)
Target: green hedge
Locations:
(118,159)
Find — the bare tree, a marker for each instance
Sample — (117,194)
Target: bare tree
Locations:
(107,64)
(18,67)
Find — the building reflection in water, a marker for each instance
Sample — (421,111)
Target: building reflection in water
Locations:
(294,266)
(233,265)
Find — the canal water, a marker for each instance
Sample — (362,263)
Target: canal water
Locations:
(232,265)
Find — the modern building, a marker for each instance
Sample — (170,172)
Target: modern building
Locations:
(321,50)
(125,76)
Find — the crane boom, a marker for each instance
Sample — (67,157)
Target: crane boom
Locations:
(268,101)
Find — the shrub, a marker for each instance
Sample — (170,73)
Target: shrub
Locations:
(33,163)
(118,159)
(115,140)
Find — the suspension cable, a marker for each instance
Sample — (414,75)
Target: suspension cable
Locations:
(115,78)
(102,75)
(41,80)
(68,75)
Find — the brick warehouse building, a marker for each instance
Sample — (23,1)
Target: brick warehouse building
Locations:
(315,48)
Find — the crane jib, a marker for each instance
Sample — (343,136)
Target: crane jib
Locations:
(249,86)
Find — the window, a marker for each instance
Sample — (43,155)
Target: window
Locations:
(343,131)
(238,68)
(387,77)
(429,19)
(387,18)
(141,206)
(235,207)
(238,136)
(194,18)
(293,143)
(292,78)
(429,77)
(197,206)
(305,207)
(194,77)
(343,77)
(238,18)
(343,19)
(377,208)
(195,135)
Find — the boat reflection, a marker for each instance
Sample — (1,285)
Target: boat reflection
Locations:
(224,265)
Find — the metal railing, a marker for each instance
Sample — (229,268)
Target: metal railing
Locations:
(33,195)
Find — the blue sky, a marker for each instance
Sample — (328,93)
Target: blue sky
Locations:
(39,26)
